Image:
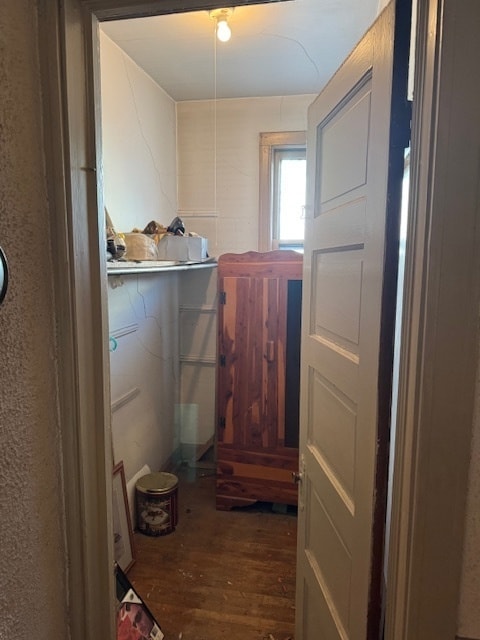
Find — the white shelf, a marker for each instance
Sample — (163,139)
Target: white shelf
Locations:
(117,268)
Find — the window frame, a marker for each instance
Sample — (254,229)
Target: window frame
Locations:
(269,143)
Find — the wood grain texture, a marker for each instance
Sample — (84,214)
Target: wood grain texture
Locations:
(221,574)
(253,461)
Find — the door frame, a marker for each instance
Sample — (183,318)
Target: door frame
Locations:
(441,223)
(439,343)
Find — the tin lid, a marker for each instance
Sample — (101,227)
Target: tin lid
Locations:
(159,482)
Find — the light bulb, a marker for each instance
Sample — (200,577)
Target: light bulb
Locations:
(223,30)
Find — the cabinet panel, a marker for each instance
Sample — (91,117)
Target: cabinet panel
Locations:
(256,292)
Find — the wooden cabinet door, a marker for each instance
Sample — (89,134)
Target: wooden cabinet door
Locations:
(253,459)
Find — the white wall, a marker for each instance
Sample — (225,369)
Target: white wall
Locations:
(223,205)
(33,598)
(381,5)
(145,367)
(139,143)
(139,163)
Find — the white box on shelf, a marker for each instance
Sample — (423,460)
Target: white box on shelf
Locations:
(182,248)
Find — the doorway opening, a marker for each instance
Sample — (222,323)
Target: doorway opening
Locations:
(203,219)
(165,359)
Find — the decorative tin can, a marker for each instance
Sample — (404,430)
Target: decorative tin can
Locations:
(156,502)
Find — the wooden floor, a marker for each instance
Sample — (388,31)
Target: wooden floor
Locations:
(222,575)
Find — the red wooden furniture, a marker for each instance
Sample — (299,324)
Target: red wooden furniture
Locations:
(258,377)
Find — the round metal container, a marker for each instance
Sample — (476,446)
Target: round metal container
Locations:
(156,503)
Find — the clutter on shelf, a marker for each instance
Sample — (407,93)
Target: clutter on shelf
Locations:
(116,246)
(155,242)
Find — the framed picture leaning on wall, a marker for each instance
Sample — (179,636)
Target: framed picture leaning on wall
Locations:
(122,528)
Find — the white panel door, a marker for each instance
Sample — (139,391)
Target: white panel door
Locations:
(355,169)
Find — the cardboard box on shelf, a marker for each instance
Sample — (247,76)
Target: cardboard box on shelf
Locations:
(139,247)
(182,248)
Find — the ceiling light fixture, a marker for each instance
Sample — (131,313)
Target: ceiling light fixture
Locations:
(221,17)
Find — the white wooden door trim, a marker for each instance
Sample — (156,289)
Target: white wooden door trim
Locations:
(80,304)
(440,336)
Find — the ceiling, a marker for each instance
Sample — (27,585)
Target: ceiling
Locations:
(276,49)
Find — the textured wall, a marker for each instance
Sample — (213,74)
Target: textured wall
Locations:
(32,595)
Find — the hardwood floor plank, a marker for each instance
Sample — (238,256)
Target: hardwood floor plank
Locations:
(222,575)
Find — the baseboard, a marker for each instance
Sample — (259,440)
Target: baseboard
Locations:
(465,638)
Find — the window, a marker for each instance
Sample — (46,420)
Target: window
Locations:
(282,190)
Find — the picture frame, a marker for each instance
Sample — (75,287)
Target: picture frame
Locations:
(134,619)
(124,549)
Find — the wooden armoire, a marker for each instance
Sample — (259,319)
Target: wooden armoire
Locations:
(258,379)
